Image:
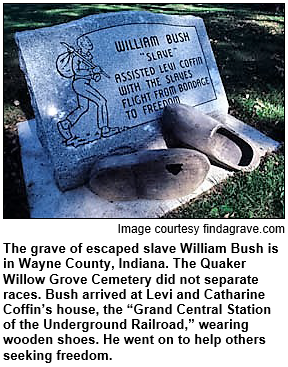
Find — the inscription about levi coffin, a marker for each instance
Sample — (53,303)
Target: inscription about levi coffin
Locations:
(102,82)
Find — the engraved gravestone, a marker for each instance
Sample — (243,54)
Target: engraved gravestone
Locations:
(98,85)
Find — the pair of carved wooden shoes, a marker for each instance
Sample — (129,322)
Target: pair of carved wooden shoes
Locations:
(192,137)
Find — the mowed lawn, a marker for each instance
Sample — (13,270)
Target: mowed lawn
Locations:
(248,43)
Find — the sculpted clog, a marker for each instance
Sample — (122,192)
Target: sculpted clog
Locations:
(184,126)
(149,174)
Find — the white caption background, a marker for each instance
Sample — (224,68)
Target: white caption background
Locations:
(271,270)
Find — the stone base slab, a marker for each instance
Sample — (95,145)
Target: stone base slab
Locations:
(47,201)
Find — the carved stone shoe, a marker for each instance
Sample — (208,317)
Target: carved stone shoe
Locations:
(184,126)
(149,174)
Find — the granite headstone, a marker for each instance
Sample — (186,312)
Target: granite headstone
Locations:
(98,85)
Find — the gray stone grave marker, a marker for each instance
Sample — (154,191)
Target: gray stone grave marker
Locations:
(98,85)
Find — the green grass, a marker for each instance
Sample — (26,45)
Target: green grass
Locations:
(259,194)
(248,44)
(264,109)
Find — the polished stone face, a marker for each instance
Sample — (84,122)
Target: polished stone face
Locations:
(99,85)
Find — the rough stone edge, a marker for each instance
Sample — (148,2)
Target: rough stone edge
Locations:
(22,64)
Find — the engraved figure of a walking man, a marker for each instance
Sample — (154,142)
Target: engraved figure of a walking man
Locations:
(78,64)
